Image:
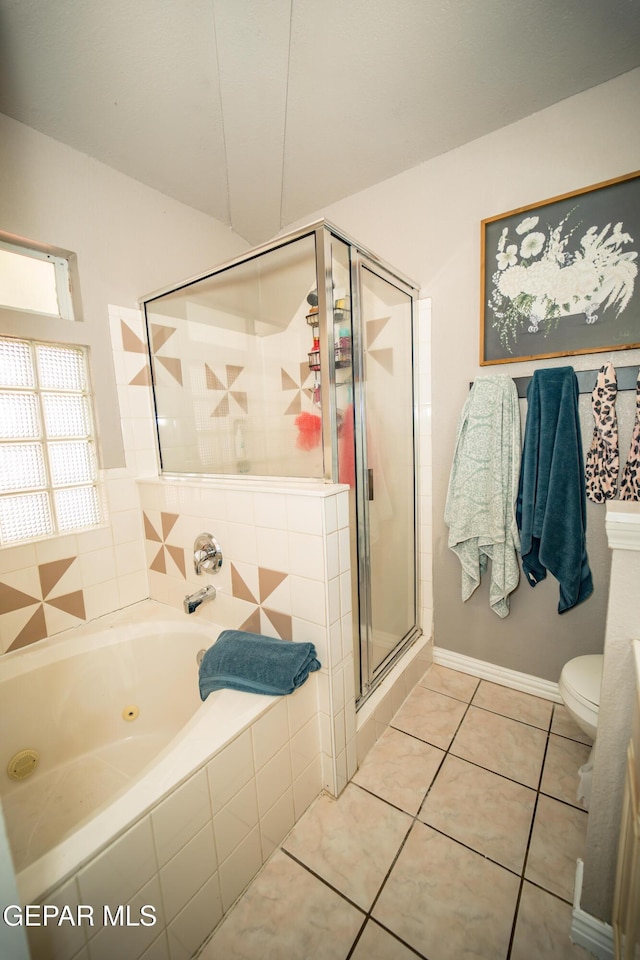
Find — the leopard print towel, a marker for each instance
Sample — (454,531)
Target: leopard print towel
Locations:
(603,460)
(630,482)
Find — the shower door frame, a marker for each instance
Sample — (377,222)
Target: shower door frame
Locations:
(368,677)
(368,674)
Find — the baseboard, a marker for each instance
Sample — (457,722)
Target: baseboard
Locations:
(496,674)
(587,931)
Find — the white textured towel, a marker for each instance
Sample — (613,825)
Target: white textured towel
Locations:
(483,487)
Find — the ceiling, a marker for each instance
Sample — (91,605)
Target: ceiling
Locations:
(262,112)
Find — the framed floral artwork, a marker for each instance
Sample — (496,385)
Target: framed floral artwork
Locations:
(560,277)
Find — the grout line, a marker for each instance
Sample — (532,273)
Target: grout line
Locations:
(415,818)
(323,880)
(516,912)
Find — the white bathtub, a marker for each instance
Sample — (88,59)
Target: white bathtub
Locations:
(71,699)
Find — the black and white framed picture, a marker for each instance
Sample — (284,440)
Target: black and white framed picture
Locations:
(560,277)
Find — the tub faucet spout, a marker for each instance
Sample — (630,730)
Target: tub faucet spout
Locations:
(193,601)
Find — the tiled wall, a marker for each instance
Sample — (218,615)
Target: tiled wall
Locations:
(286,572)
(51,585)
(192,855)
(287,566)
(54,584)
(254,383)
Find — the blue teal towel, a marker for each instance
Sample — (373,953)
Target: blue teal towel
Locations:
(256,664)
(551,507)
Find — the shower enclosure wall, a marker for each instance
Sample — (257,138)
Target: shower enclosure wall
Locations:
(295,361)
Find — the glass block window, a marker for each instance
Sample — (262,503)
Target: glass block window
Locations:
(48,463)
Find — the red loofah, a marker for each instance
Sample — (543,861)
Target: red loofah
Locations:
(309,431)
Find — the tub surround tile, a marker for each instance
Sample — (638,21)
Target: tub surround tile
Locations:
(193,925)
(59,942)
(101,599)
(270,511)
(504,746)
(302,705)
(502,811)
(114,876)
(400,769)
(23,557)
(178,818)
(305,515)
(430,716)
(331,839)
(273,779)
(236,820)
(564,725)
(269,732)
(51,597)
(558,839)
(230,770)
(461,686)
(542,928)
(307,786)
(129,559)
(163,557)
(273,548)
(20,628)
(129,941)
(276,823)
(276,624)
(560,777)
(514,704)
(239,869)
(286,912)
(186,873)
(96,566)
(132,588)
(159,949)
(330,515)
(308,599)
(306,553)
(446,901)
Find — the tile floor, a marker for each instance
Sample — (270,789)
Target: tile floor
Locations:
(456,839)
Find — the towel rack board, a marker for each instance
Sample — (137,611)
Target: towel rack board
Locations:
(626,376)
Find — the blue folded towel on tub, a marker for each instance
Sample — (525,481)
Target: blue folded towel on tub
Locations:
(256,664)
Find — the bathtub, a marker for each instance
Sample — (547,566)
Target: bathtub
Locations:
(113,713)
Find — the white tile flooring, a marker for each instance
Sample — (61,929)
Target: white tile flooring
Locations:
(456,839)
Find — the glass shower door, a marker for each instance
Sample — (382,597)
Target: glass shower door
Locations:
(387,495)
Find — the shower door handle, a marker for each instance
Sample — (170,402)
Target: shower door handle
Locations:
(370,483)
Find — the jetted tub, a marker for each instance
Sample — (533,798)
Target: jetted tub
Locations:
(111,710)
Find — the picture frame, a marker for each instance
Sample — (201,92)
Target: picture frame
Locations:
(560,277)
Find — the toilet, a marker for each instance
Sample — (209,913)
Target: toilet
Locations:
(579,687)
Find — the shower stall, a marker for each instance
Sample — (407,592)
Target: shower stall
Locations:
(295,361)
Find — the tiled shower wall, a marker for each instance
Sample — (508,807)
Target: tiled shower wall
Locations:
(252,387)
(286,550)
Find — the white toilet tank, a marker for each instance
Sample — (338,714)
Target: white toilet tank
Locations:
(579,687)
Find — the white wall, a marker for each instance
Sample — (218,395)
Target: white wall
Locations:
(426,222)
(616,712)
(129,241)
